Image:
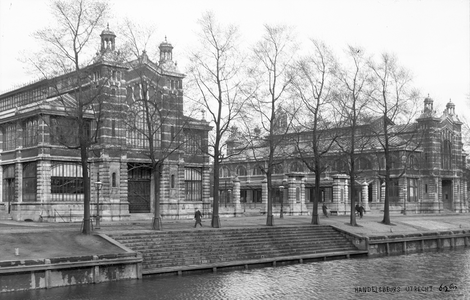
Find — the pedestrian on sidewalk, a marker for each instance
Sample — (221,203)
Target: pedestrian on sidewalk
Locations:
(325,210)
(358,210)
(362,211)
(198,217)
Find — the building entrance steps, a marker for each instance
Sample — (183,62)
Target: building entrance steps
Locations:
(191,248)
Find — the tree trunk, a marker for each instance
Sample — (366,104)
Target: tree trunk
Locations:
(215,203)
(353,202)
(86,190)
(315,217)
(269,218)
(157,219)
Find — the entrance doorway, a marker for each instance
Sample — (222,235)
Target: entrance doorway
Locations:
(447,198)
(138,189)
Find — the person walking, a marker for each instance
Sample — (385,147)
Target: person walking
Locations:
(198,217)
(362,211)
(325,210)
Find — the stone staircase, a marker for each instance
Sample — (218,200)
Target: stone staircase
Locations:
(170,251)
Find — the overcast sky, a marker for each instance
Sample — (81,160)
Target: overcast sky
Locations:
(430,37)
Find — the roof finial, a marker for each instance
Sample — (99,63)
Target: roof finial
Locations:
(165,39)
(107,27)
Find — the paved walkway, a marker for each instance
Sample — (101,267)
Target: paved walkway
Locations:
(45,240)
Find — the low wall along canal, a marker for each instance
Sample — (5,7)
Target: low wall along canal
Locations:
(47,273)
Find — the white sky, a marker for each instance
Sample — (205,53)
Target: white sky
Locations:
(430,37)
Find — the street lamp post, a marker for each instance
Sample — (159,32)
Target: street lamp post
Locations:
(98,188)
(404,200)
(281,190)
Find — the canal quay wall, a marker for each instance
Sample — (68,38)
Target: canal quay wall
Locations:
(408,234)
(16,275)
(399,244)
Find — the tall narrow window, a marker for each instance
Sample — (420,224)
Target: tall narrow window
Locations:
(29,182)
(113,179)
(9,137)
(113,128)
(172,181)
(30,133)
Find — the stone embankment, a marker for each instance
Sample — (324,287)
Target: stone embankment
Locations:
(201,250)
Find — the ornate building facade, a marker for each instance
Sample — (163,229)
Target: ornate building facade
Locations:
(41,178)
(427,176)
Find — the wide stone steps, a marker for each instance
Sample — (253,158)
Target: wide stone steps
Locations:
(229,239)
(208,246)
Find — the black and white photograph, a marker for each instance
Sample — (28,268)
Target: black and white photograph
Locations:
(204,149)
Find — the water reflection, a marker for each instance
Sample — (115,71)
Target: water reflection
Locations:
(340,279)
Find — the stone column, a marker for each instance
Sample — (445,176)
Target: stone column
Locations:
(236,197)
(403,194)
(365,196)
(296,194)
(375,190)
(339,193)
(382,192)
(456,195)
(19,181)
(264,195)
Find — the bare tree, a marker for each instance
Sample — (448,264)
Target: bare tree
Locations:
(395,100)
(273,55)
(314,83)
(155,115)
(66,50)
(352,105)
(220,88)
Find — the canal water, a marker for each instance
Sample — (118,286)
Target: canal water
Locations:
(431,275)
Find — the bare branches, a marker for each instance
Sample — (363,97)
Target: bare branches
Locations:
(219,87)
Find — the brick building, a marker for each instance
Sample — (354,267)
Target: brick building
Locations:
(41,179)
(428,171)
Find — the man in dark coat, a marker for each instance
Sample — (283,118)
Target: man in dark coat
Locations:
(197,216)
(325,210)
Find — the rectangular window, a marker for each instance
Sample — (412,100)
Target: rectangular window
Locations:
(29,182)
(193,184)
(412,189)
(30,133)
(394,191)
(192,143)
(67,182)
(9,137)
(257,196)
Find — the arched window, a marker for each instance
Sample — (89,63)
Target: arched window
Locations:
(446,154)
(363,163)
(257,170)
(278,169)
(296,167)
(340,166)
(241,171)
(224,172)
